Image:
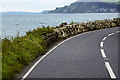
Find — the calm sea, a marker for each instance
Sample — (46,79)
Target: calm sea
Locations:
(12,23)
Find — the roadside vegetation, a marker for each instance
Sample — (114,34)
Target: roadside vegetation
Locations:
(20,51)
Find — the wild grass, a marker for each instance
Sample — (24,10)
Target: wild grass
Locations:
(20,51)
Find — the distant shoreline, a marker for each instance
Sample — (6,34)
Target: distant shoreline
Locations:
(51,13)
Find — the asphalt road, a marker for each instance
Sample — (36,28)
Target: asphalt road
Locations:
(81,57)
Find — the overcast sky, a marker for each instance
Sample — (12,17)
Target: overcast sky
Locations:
(32,5)
(98,0)
(36,5)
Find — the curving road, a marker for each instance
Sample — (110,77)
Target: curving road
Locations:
(81,57)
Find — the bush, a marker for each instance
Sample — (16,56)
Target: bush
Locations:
(20,51)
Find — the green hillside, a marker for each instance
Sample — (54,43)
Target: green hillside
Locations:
(88,7)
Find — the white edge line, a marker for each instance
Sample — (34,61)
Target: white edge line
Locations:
(101,44)
(103,53)
(112,75)
(49,52)
(37,63)
(29,71)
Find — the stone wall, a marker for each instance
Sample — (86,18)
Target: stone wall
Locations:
(76,28)
(66,30)
(51,38)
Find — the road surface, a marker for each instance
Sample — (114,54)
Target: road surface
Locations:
(89,55)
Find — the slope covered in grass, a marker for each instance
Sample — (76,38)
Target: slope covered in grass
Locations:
(20,51)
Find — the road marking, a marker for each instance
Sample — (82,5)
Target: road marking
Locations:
(104,38)
(107,64)
(37,63)
(103,53)
(68,39)
(101,44)
(61,43)
(111,34)
(30,70)
(112,75)
(117,31)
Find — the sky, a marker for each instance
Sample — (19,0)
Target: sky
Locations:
(98,0)
(36,5)
(32,5)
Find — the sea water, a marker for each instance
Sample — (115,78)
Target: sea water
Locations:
(12,23)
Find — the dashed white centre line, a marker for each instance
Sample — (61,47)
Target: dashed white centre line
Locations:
(103,53)
(111,34)
(112,75)
(117,31)
(104,38)
(107,64)
(101,44)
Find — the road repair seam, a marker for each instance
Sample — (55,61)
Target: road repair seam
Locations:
(106,60)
